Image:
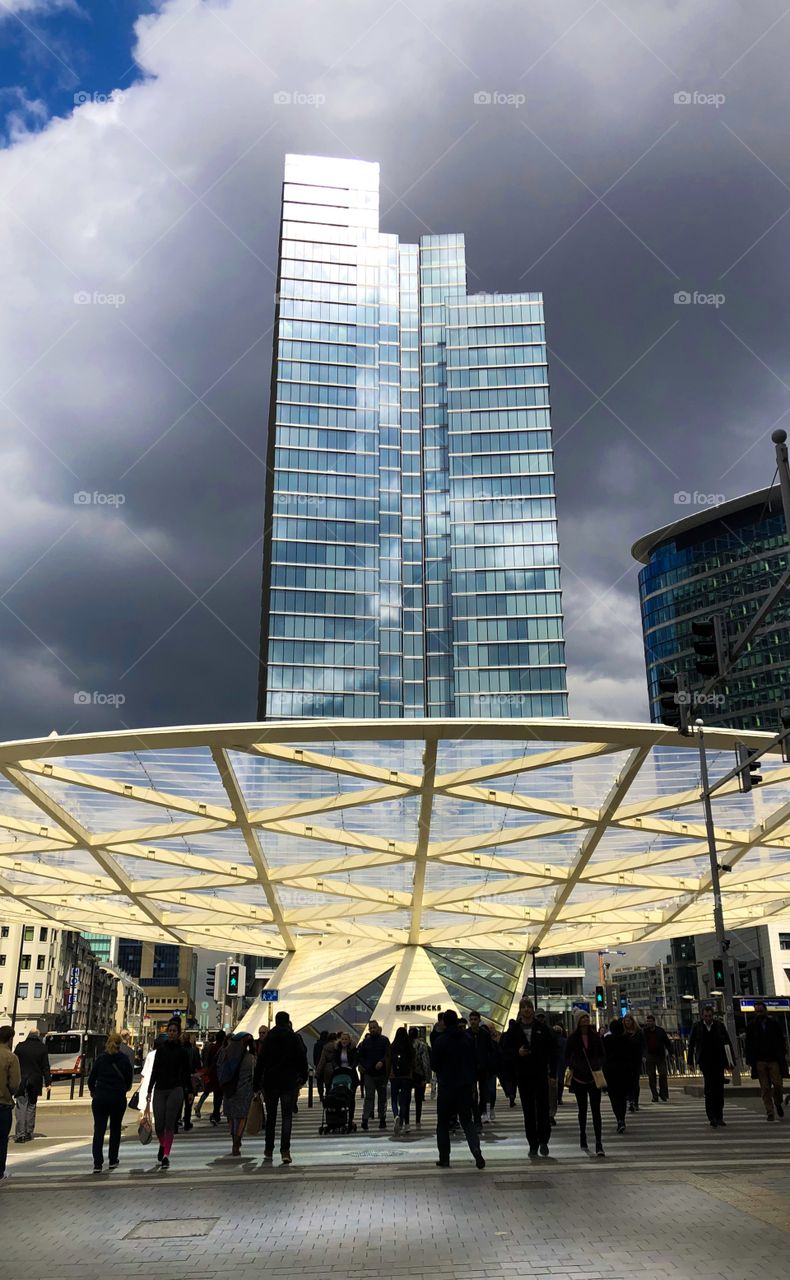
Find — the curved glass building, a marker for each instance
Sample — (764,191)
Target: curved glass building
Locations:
(723,560)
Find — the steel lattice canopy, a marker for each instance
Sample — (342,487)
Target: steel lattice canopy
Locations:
(555,834)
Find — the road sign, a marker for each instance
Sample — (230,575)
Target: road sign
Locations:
(581,1004)
(204,1004)
(778,1004)
(270,995)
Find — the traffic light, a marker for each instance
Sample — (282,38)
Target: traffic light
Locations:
(600,998)
(237,980)
(211,977)
(749,774)
(675,702)
(717,964)
(709,647)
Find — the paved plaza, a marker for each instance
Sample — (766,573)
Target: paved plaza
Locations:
(673,1199)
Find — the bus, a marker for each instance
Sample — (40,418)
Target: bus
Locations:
(72,1052)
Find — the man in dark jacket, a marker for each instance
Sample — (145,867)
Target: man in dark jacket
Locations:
(281,1068)
(531,1049)
(766,1055)
(709,1045)
(484,1067)
(658,1048)
(372,1063)
(34,1068)
(453,1060)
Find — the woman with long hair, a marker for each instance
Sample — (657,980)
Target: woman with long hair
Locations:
(109,1082)
(584,1059)
(237,1093)
(210,1054)
(635,1045)
(170,1083)
(400,1069)
(422,1072)
(616,1070)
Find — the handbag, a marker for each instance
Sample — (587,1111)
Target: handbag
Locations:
(255,1116)
(598,1076)
(145,1129)
(134,1101)
(568,1078)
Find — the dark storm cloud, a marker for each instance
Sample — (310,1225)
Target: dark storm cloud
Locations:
(581,176)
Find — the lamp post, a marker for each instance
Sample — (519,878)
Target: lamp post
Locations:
(722,941)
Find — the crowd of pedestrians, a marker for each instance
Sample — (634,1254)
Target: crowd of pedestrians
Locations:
(256,1083)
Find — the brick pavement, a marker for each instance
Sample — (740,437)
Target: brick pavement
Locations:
(673,1201)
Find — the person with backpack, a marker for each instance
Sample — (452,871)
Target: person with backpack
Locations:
(422,1072)
(400,1070)
(235,1073)
(108,1084)
(170,1083)
(281,1069)
(453,1060)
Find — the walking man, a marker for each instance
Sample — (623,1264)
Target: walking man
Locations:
(658,1048)
(709,1046)
(34,1066)
(372,1062)
(10,1076)
(280,1070)
(766,1055)
(484,1059)
(453,1060)
(531,1048)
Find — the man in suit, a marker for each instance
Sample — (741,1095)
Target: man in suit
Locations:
(34,1069)
(711,1049)
(531,1048)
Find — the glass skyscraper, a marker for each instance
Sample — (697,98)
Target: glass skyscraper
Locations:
(411,563)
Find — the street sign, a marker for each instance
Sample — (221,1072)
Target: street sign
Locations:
(270,995)
(778,1004)
(581,1004)
(204,1004)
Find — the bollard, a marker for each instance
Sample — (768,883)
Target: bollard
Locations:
(71,1092)
(310,1090)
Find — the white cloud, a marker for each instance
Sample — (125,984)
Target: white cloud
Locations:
(9,8)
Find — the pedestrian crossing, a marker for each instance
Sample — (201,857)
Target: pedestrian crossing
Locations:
(660,1136)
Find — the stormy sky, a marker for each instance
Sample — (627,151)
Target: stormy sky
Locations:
(612,153)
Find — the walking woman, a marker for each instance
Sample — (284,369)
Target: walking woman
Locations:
(422,1072)
(109,1082)
(584,1059)
(617,1069)
(170,1084)
(635,1046)
(400,1069)
(210,1055)
(237,1094)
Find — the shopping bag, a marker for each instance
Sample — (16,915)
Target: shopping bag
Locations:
(598,1077)
(255,1116)
(145,1129)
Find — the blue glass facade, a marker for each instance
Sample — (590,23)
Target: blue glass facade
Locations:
(723,563)
(410,557)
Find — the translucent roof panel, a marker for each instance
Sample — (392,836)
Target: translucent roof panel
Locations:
(561,835)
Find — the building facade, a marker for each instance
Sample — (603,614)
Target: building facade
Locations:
(58,980)
(411,561)
(723,560)
(167,974)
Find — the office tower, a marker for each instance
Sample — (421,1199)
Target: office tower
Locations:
(410,559)
(721,561)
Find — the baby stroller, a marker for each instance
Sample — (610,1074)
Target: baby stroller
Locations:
(338,1103)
